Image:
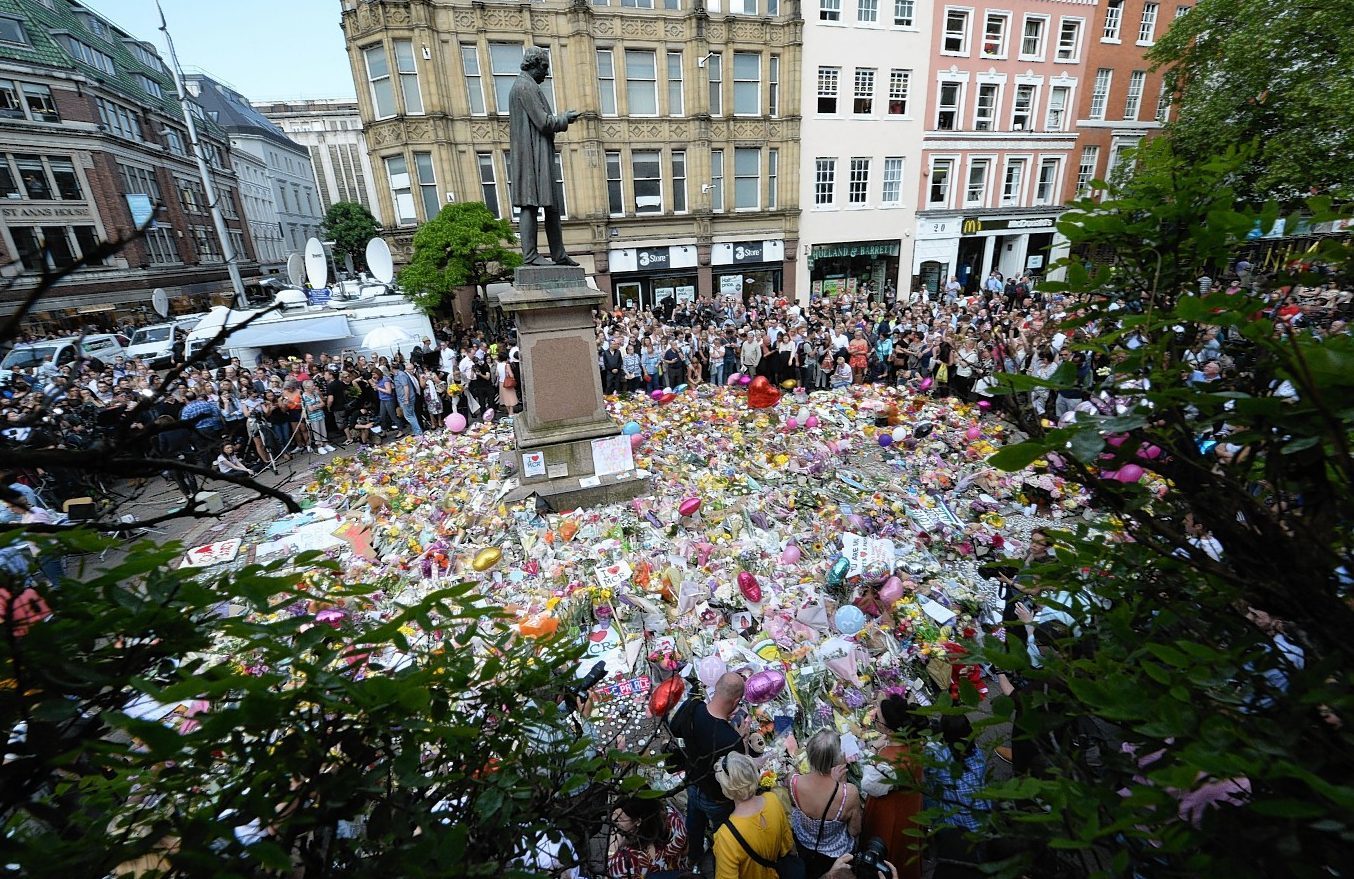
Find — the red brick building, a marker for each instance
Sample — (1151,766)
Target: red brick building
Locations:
(1122,100)
(92,143)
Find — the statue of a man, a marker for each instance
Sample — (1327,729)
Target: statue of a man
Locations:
(531,134)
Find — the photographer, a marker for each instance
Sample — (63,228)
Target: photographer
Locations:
(710,730)
(845,867)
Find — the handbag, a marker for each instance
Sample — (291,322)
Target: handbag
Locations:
(509,380)
(788,866)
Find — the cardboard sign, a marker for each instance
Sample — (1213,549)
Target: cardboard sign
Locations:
(867,553)
(612,454)
(212,554)
(533,464)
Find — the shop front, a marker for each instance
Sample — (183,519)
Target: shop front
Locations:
(853,268)
(970,248)
(653,277)
(741,270)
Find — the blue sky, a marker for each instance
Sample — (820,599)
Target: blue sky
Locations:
(267,49)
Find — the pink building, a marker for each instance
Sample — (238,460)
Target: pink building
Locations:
(1000,134)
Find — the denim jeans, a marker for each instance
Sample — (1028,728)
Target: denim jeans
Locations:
(702,814)
(717,372)
(387,414)
(411,415)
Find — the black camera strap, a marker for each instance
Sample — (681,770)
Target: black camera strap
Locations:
(770,865)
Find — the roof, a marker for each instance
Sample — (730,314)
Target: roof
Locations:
(233,111)
(48,31)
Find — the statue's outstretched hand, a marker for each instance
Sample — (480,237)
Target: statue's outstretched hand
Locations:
(572,116)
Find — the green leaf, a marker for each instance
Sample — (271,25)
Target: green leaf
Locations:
(1017,456)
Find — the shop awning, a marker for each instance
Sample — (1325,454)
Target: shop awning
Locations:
(321,328)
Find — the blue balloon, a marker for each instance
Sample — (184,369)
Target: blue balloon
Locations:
(679,389)
(837,573)
(849,619)
(631,428)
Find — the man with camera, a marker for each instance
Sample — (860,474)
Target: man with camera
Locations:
(868,864)
(710,730)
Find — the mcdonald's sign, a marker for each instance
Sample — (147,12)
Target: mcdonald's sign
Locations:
(971,226)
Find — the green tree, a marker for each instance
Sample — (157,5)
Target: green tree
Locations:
(1275,73)
(350,226)
(462,245)
(1239,758)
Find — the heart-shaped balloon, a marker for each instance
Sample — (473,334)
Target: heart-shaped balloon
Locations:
(891,591)
(666,695)
(748,585)
(762,394)
(764,686)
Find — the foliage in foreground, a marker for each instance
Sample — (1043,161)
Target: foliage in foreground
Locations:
(463,245)
(327,740)
(1179,735)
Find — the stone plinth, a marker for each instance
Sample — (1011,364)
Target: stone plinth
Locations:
(561,389)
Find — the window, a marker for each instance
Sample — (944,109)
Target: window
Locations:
(858,184)
(139,181)
(1181,10)
(1022,108)
(892,192)
(401,190)
(9,185)
(747,84)
(675,103)
(408,71)
(1057,107)
(829,10)
(1032,39)
(29,100)
(947,106)
(606,81)
(716,180)
(1163,103)
(1069,40)
(749,7)
(975,190)
(227,202)
(194,201)
(1147,27)
(715,70)
(207,250)
(34,177)
(900,82)
(148,85)
(615,194)
(1114,18)
(12,31)
(1086,170)
(427,185)
(864,102)
(827,89)
(86,54)
(772,178)
(939,194)
(59,252)
(378,76)
(67,181)
(637,4)
(985,108)
(29,246)
(1136,83)
(955,39)
(505,63)
(994,35)
(641,82)
(904,13)
(1014,182)
(1100,92)
(679,181)
(867,11)
(648,179)
(824,181)
(145,55)
(474,81)
(161,246)
(773,87)
(118,120)
(488,184)
(747,178)
(1046,189)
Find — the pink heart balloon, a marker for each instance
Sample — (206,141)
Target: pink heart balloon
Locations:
(891,591)
(811,422)
(1129,473)
(790,555)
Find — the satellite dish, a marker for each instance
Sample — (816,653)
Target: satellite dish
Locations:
(348,263)
(317,269)
(379,262)
(296,269)
(159,300)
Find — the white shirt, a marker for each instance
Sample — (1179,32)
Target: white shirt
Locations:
(447,360)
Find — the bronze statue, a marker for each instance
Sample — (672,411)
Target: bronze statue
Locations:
(531,134)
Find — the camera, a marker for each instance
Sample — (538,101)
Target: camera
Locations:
(579,689)
(869,862)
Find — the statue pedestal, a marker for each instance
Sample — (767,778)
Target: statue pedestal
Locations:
(561,392)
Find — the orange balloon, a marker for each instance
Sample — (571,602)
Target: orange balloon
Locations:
(539,626)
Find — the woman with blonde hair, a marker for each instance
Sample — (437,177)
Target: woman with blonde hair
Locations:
(757,834)
(827,812)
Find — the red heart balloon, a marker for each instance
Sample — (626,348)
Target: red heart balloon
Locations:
(666,695)
(762,394)
(748,585)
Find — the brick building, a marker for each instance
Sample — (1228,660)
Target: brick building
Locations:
(1124,99)
(92,143)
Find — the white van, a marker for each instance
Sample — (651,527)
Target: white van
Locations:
(51,354)
(154,344)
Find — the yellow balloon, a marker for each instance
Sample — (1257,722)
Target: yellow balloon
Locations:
(782,459)
(789,384)
(486,558)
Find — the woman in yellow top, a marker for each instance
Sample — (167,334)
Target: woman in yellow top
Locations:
(759,818)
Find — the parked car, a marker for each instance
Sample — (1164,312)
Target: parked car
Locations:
(51,354)
(154,344)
